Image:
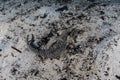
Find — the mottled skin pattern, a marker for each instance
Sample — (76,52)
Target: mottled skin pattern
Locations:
(55,50)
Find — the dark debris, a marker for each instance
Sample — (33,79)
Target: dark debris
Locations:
(62,8)
(118,77)
(14,71)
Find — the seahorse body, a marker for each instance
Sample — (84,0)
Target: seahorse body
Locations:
(54,50)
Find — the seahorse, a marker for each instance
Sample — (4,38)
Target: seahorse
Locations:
(54,50)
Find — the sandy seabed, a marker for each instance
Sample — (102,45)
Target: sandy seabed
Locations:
(94,56)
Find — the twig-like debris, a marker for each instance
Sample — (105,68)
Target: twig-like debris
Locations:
(91,6)
(16,49)
(62,8)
